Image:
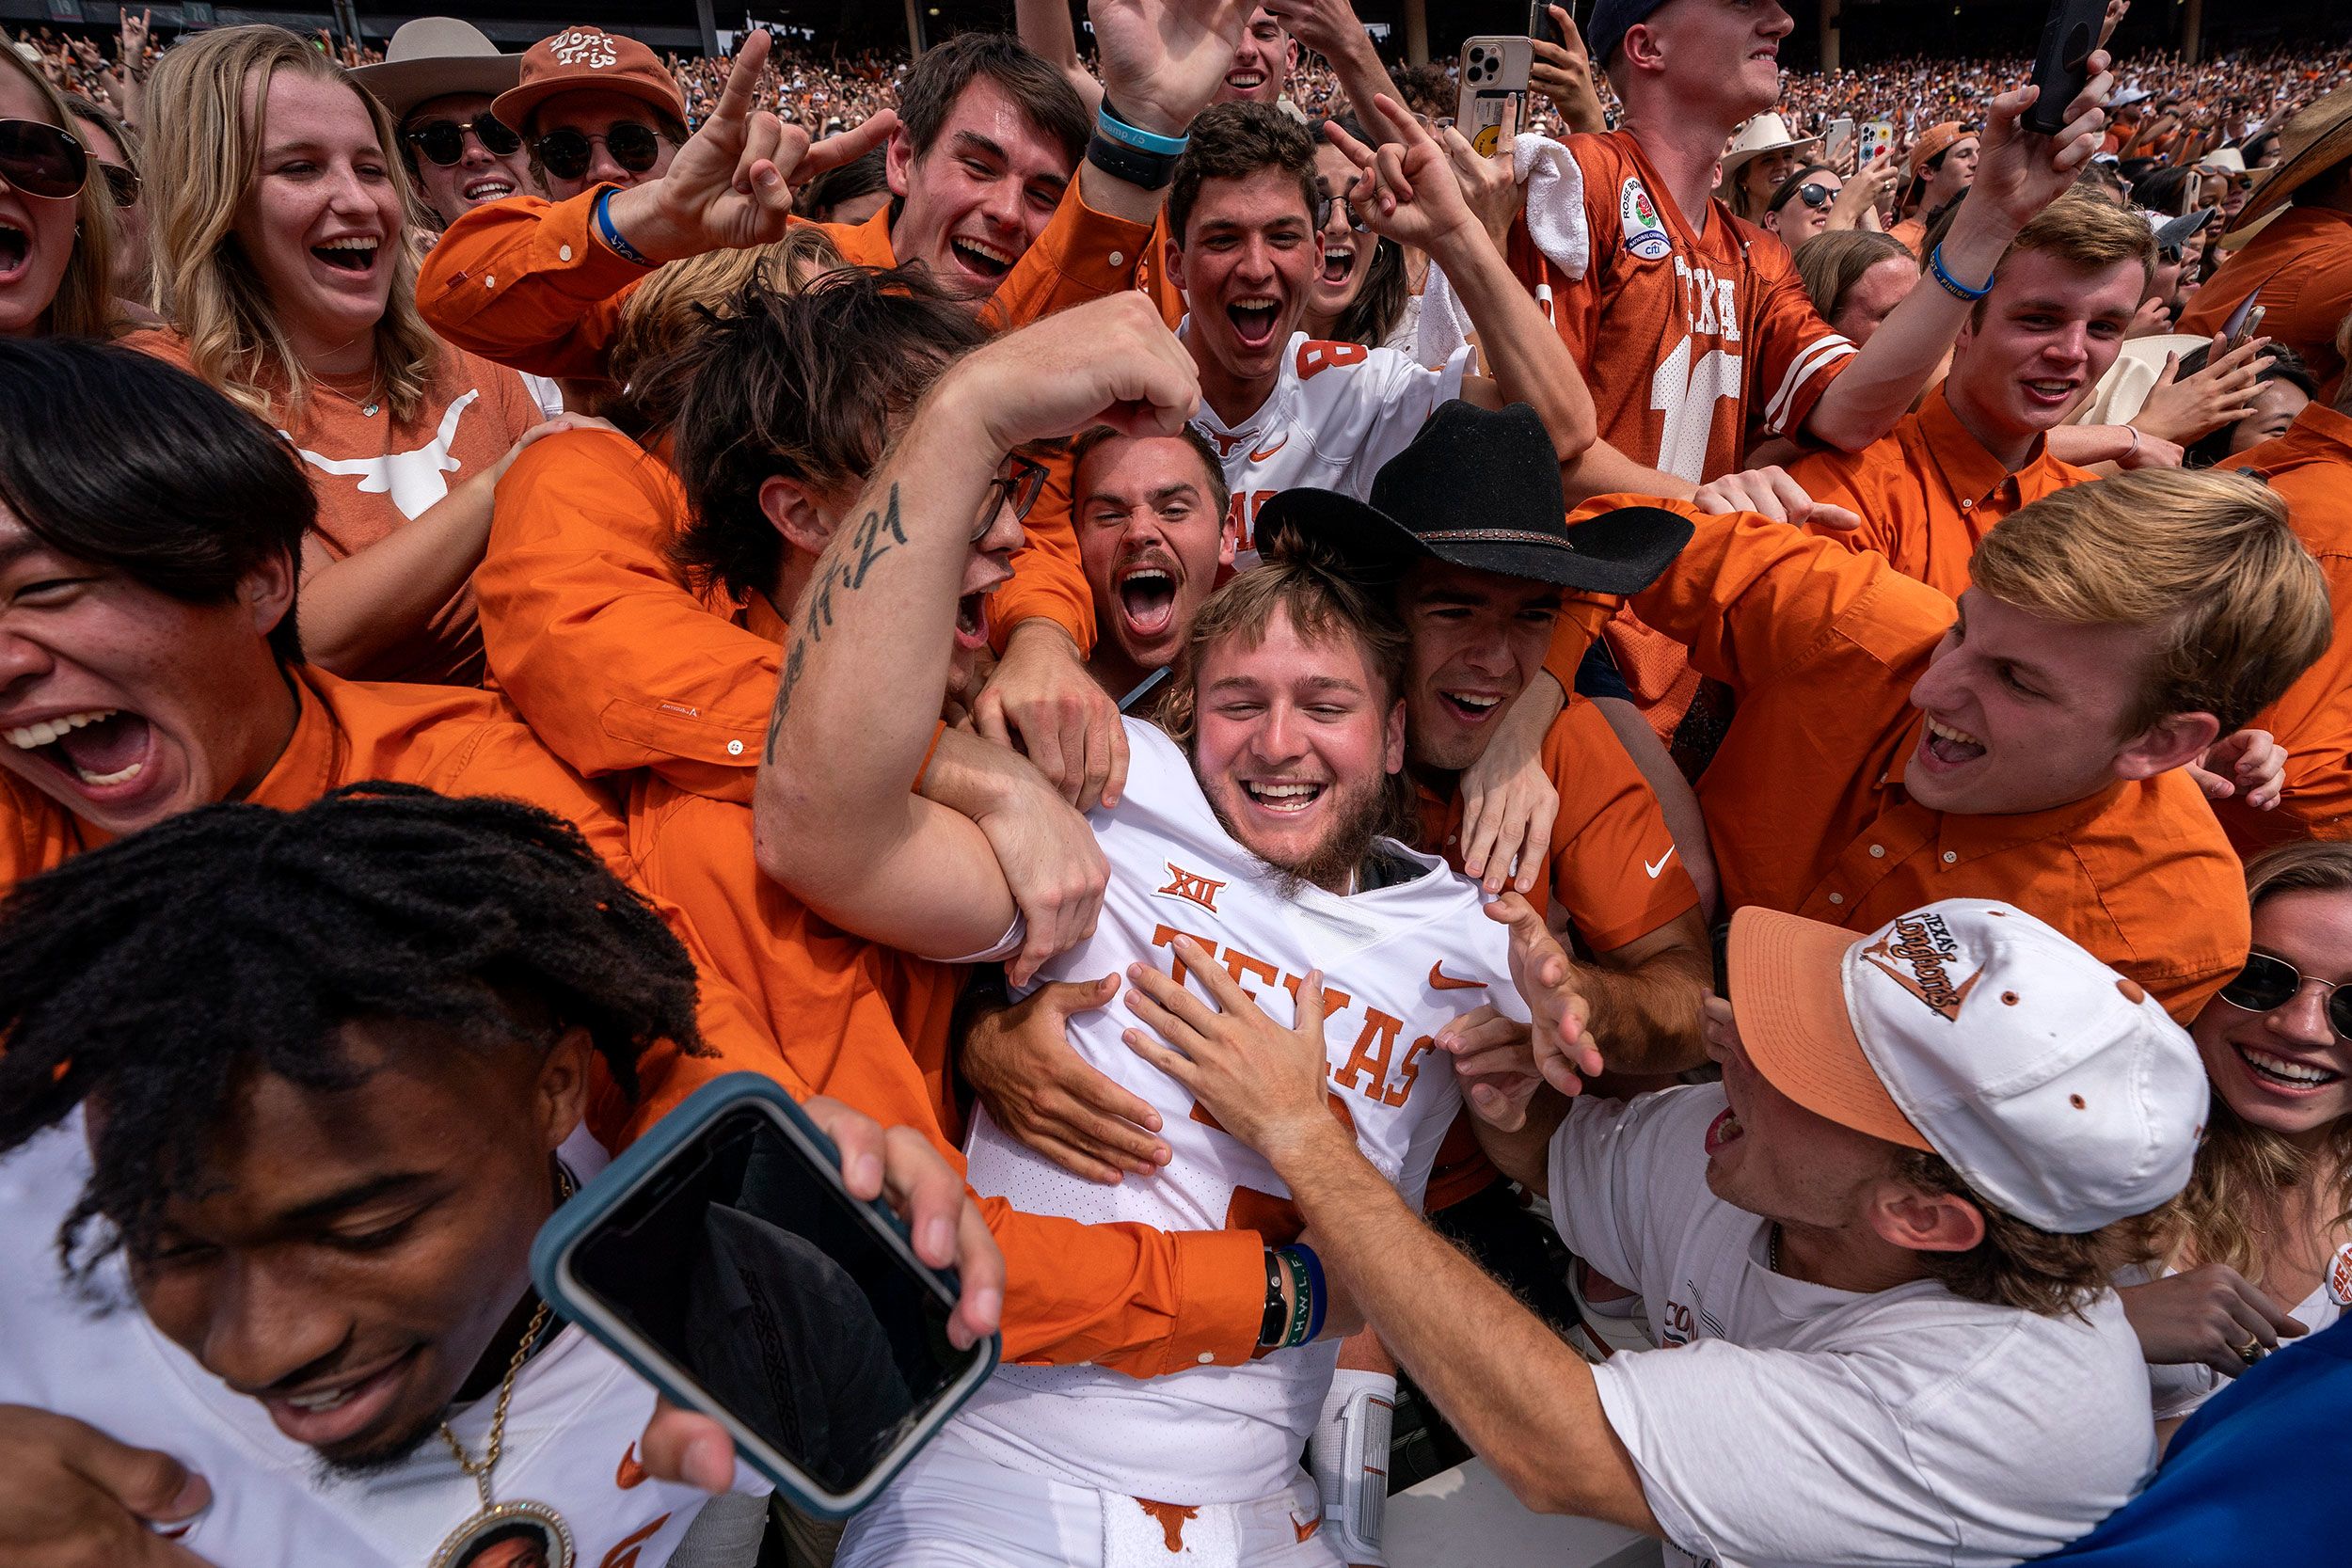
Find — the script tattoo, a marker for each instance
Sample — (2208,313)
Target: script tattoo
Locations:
(845,563)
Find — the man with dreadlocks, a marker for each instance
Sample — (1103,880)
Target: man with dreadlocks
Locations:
(309,1117)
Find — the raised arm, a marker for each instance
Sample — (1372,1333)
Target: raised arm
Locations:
(857,708)
(1045,26)
(1332,30)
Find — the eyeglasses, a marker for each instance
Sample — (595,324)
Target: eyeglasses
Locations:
(1017,485)
(1323,212)
(41,160)
(567,154)
(1816,195)
(2267,984)
(122,183)
(444,140)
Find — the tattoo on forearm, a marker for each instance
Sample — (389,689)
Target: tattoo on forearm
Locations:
(845,563)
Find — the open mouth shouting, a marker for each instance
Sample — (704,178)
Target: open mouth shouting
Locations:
(101,753)
(1147,600)
(1471,707)
(488,187)
(1242,83)
(972,620)
(1338,265)
(1723,1131)
(1943,746)
(16,251)
(354,254)
(1255,318)
(1283,797)
(979,259)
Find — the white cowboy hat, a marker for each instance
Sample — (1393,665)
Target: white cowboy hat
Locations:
(2315,140)
(435,55)
(1765,133)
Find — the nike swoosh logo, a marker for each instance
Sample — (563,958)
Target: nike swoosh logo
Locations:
(630,1473)
(1257,456)
(1440,980)
(1654,867)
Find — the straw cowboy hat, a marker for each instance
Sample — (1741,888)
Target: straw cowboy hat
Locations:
(435,55)
(2316,140)
(1766,133)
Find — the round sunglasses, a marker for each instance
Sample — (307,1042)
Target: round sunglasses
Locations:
(1815,197)
(41,160)
(1325,204)
(444,140)
(2267,984)
(566,154)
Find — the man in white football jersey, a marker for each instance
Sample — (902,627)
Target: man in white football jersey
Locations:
(1245,243)
(1247,841)
(297,1127)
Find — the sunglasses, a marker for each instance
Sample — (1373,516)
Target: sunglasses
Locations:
(1323,214)
(1017,485)
(567,154)
(122,183)
(444,140)
(1815,197)
(2267,984)
(41,160)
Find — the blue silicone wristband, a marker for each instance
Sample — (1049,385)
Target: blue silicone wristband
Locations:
(1135,136)
(1315,1288)
(1953,286)
(612,236)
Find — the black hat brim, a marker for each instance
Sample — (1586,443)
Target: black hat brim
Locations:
(1622,551)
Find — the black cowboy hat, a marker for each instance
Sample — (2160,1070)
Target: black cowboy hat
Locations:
(1481,490)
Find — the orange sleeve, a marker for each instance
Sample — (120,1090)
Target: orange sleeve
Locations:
(1750,597)
(1582,618)
(1614,867)
(1082,255)
(523,282)
(1126,1296)
(594,636)
(1849,478)
(1048,583)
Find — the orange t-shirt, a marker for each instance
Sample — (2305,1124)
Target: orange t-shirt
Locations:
(868,1025)
(1805,801)
(2311,468)
(1609,823)
(2300,265)
(1927,492)
(460,743)
(371,473)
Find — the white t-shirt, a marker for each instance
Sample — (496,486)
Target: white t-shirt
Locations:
(1232,1433)
(1338,411)
(570,1432)
(2177,1390)
(1789,1424)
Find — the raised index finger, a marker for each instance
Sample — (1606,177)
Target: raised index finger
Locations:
(1338,136)
(742,86)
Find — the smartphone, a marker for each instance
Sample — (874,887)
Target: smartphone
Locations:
(722,1257)
(1539,23)
(2062,64)
(1494,72)
(1835,140)
(2249,327)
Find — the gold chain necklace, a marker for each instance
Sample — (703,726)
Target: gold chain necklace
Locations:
(523,1522)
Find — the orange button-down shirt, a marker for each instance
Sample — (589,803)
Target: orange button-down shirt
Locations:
(869,1026)
(461,743)
(2301,266)
(1927,492)
(2311,468)
(1805,800)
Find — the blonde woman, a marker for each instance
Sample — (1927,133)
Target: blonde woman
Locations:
(56,229)
(282,258)
(2262,1240)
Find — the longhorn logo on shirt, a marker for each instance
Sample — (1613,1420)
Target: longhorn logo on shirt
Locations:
(1927,952)
(412,478)
(584,46)
(1191,887)
(1225,444)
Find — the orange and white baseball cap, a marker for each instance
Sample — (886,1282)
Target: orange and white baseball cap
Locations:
(2057,1088)
(585,57)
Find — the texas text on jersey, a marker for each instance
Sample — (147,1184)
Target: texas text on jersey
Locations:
(1397,962)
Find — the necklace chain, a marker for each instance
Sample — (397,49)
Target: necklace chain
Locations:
(479,1469)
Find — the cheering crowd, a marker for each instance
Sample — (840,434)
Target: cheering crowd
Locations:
(1684,805)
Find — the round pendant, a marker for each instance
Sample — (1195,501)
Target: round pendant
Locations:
(509,1535)
(368,411)
(2339,1277)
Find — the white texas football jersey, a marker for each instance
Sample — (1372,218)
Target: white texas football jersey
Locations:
(1337,412)
(1397,962)
(571,1431)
